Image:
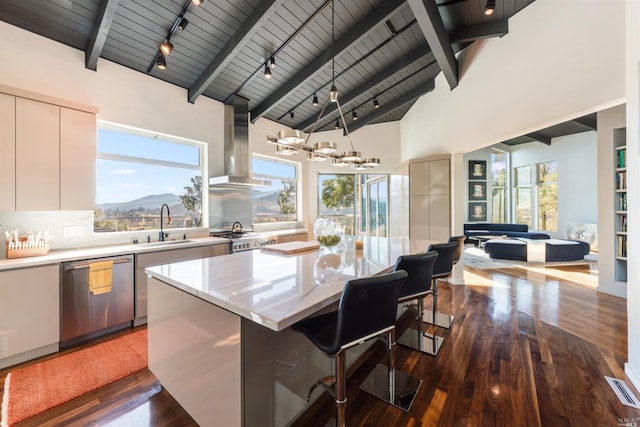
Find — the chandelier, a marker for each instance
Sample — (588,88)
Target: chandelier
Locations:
(290,142)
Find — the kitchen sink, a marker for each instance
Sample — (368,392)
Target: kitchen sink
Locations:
(167,242)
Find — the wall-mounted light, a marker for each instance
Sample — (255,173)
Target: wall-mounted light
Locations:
(376,104)
(315,100)
(267,71)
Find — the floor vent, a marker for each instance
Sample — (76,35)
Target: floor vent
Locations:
(623,392)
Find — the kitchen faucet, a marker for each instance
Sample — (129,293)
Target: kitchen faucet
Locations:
(162,235)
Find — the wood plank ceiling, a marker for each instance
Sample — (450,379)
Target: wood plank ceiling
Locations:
(389,51)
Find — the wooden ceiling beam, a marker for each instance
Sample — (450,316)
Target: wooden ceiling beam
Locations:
(430,22)
(249,27)
(100,32)
(386,108)
(359,31)
(536,136)
(369,84)
(471,33)
(587,121)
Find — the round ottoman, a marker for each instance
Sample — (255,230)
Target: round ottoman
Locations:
(555,249)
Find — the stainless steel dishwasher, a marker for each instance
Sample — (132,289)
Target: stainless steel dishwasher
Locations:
(87,315)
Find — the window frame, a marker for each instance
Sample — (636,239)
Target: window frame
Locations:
(298,180)
(200,167)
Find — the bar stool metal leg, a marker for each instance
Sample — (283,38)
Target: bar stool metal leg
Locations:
(417,338)
(388,384)
(433,317)
(341,388)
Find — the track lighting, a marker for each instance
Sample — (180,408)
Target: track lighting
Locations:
(197,2)
(166,47)
(161,61)
(354,115)
(273,62)
(315,100)
(490,7)
(337,125)
(267,71)
(291,114)
(376,104)
(183,23)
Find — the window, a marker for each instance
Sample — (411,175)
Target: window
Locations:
(537,205)
(547,196)
(523,195)
(278,203)
(138,171)
(499,168)
(336,199)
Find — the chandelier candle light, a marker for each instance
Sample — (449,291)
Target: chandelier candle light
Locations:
(289,142)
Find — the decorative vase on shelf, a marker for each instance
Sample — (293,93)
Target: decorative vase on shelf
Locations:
(329,235)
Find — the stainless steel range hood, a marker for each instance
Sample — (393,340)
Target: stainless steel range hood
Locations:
(237,157)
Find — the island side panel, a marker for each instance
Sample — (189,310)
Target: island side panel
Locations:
(202,342)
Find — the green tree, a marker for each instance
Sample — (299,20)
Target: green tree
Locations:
(339,192)
(287,199)
(192,198)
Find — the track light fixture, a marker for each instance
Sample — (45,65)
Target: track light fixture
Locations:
(291,142)
(291,114)
(183,23)
(376,104)
(490,7)
(161,61)
(315,100)
(197,2)
(267,71)
(166,47)
(273,62)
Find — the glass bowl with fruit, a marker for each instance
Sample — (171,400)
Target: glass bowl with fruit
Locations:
(328,234)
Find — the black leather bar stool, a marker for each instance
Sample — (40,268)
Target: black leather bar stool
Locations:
(419,268)
(442,268)
(367,310)
(458,253)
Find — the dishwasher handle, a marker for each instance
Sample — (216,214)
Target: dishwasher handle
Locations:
(78,266)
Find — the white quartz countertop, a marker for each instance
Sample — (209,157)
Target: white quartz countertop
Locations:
(57,256)
(278,290)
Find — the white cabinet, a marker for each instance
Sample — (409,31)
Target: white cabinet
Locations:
(7,152)
(78,135)
(429,199)
(48,152)
(29,313)
(195,352)
(37,155)
(151,259)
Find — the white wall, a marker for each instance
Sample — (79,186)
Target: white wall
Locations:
(131,98)
(560,60)
(632,369)
(577,175)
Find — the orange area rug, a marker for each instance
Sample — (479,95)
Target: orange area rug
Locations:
(33,389)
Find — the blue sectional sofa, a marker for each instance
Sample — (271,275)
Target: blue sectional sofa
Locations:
(496,229)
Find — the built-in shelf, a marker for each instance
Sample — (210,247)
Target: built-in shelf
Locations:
(620,203)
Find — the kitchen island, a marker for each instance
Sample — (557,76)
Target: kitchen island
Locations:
(219,328)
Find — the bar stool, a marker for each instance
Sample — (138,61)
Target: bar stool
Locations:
(441,269)
(458,253)
(367,310)
(419,267)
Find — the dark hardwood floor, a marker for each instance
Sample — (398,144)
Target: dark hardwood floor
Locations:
(528,347)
